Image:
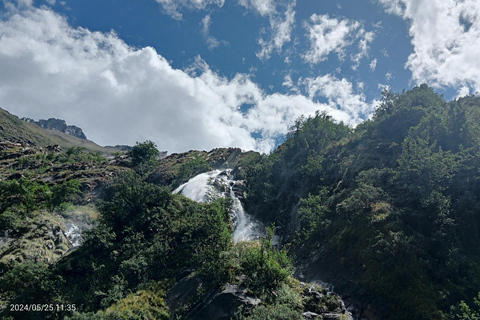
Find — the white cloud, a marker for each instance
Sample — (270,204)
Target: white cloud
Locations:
(281,24)
(463,91)
(329,35)
(393,6)
(212,41)
(281,33)
(363,46)
(172,7)
(288,83)
(120,95)
(341,95)
(373,64)
(444,34)
(263,7)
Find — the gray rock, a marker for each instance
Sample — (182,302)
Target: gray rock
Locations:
(183,292)
(337,316)
(223,304)
(58,125)
(309,315)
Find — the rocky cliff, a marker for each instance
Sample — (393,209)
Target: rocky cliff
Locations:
(58,125)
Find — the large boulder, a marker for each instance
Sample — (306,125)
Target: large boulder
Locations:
(183,292)
(224,303)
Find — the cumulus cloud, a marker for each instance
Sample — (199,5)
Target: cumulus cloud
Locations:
(341,95)
(120,95)
(373,64)
(173,7)
(444,34)
(329,35)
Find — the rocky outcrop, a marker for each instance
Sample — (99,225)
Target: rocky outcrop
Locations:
(58,125)
(44,241)
(325,265)
(218,304)
(221,158)
(224,303)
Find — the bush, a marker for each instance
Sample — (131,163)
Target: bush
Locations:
(144,157)
(265,268)
(191,168)
(275,312)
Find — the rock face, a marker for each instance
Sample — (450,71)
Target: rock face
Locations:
(221,158)
(223,304)
(58,125)
(218,304)
(45,241)
(325,265)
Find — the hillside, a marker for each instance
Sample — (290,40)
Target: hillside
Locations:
(147,253)
(14,129)
(387,212)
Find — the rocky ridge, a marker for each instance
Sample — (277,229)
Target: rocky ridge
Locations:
(58,125)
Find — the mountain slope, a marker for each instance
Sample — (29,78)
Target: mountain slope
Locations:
(14,129)
(392,205)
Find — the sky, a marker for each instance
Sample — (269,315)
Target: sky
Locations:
(203,74)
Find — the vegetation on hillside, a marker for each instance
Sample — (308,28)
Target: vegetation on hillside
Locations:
(396,198)
(145,238)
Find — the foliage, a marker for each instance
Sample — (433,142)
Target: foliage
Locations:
(195,165)
(78,154)
(265,268)
(312,216)
(464,312)
(395,198)
(394,201)
(145,235)
(144,157)
(21,198)
(275,312)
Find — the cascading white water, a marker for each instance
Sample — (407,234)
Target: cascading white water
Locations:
(212,185)
(73,234)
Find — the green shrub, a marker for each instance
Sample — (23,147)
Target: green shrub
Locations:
(144,157)
(275,312)
(265,268)
(196,165)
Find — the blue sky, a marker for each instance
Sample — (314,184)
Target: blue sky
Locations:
(200,74)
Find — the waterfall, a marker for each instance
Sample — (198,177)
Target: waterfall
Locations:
(212,185)
(73,234)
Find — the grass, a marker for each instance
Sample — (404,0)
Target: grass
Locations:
(86,214)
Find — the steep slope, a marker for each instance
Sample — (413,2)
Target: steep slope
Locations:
(391,207)
(14,129)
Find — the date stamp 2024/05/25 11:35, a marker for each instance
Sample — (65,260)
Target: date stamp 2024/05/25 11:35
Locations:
(42,307)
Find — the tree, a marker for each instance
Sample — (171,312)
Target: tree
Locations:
(144,156)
